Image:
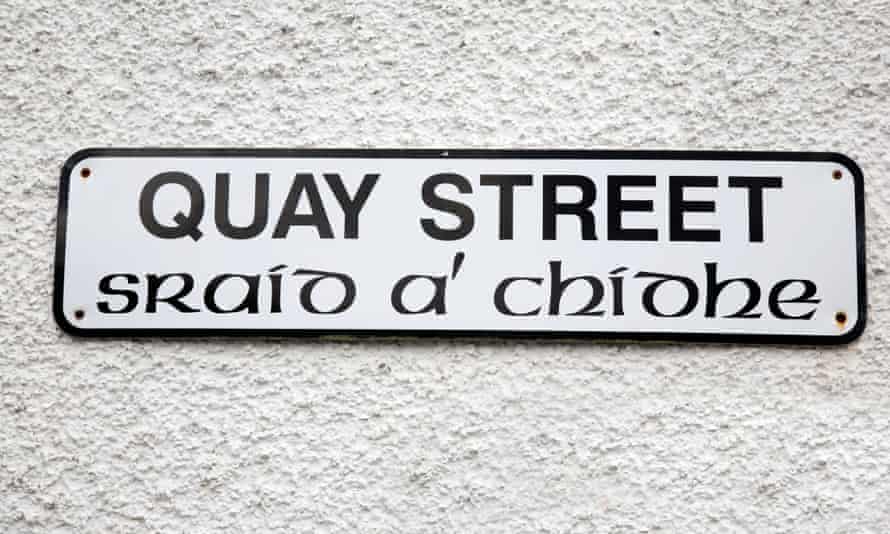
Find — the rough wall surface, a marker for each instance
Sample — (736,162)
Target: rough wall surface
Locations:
(441,435)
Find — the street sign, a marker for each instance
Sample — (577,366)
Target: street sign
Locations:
(670,245)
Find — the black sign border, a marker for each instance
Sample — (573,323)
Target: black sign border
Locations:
(448,153)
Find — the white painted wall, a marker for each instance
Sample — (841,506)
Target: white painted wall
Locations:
(441,435)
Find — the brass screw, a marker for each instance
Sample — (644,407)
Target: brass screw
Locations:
(837,174)
(79,314)
(85,173)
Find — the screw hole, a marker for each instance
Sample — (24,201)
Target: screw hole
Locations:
(837,174)
(841,318)
(85,172)
(79,314)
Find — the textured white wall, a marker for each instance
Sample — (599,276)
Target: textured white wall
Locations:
(440,435)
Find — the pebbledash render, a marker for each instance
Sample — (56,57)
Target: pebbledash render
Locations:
(439,434)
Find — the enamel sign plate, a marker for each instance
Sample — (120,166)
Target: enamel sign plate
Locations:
(697,246)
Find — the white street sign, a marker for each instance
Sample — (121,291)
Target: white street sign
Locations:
(701,246)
